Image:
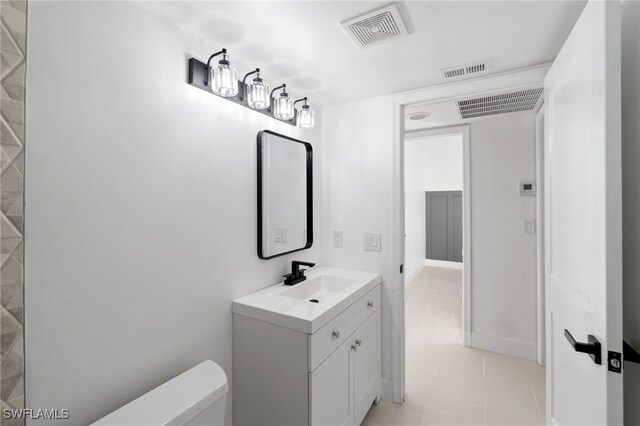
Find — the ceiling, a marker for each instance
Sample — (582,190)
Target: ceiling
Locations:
(445,112)
(439,114)
(303,44)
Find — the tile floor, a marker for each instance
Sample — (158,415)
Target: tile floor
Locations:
(448,383)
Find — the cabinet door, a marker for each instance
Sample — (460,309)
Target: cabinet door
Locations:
(443,214)
(331,396)
(367,365)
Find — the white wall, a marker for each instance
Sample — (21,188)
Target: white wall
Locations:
(141,208)
(356,169)
(431,164)
(442,162)
(631,200)
(414,210)
(503,275)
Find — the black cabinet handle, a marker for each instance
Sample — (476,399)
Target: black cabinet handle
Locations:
(593,347)
(630,354)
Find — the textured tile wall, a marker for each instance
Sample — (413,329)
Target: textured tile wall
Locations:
(13,17)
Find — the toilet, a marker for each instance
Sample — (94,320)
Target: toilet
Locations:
(196,397)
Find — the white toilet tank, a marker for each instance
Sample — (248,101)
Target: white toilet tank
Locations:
(196,397)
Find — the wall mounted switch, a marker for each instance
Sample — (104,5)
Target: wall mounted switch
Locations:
(372,241)
(281,235)
(529,226)
(527,188)
(337,238)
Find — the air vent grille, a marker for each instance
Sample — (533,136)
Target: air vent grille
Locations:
(466,70)
(523,100)
(375,26)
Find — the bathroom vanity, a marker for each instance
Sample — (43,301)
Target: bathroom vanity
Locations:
(308,354)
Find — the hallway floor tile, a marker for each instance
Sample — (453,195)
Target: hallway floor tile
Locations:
(448,383)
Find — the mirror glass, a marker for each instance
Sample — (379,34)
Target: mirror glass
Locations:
(284,195)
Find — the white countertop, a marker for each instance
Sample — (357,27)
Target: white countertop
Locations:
(270,306)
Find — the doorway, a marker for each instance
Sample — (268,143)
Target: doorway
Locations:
(434,177)
(437,203)
(447,381)
(531,77)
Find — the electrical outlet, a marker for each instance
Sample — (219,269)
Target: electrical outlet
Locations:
(337,238)
(372,241)
(281,235)
(529,226)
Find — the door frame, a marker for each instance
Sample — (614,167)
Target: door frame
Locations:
(540,248)
(463,131)
(522,78)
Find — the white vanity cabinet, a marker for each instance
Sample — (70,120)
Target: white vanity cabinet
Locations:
(283,376)
(343,387)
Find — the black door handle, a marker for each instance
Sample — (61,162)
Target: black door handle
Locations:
(593,347)
(630,354)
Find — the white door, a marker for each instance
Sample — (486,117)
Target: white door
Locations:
(584,220)
(331,386)
(367,365)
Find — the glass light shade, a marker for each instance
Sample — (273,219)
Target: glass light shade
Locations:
(225,79)
(258,94)
(306,118)
(283,107)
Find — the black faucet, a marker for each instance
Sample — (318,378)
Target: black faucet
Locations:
(297,275)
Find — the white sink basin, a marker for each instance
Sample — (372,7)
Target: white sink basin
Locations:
(308,305)
(318,288)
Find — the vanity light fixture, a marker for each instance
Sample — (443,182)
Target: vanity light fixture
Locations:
(221,80)
(283,104)
(305,115)
(257,92)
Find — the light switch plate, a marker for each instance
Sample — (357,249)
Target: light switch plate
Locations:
(337,238)
(529,226)
(281,235)
(372,241)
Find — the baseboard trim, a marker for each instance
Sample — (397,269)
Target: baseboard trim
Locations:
(504,346)
(386,389)
(411,277)
(443,264)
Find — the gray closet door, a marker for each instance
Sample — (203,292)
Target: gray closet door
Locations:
(444,225)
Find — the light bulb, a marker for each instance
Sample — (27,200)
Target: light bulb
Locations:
(258,94)
(225,79)
(306,118)
(283,107)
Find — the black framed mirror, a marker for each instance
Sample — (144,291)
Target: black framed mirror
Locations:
(285,194)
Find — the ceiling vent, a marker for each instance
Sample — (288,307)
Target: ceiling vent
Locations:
(376,26)
(523,100)
(470,69)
